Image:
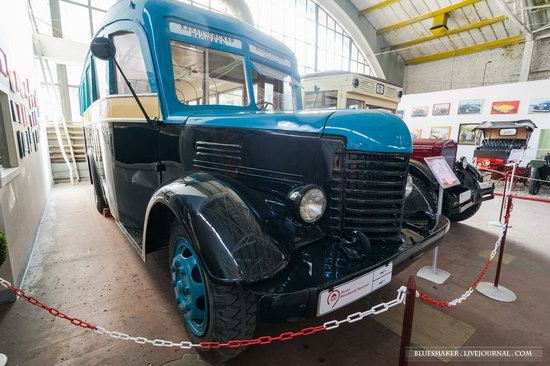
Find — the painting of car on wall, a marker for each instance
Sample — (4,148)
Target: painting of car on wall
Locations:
(440,132)
(505,107)
(441,109)
(470,106)
(419,111)
(539,105)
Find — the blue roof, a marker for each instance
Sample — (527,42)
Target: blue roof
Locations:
(150,12)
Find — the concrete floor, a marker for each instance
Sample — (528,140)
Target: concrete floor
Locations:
(83,265)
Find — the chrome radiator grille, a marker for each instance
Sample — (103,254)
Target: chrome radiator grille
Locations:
(367,194)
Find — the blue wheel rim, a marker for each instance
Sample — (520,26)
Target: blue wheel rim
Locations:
(189,285)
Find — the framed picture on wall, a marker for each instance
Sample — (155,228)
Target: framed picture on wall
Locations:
(465,134)
(13,109)
(440,133)
(539,105)
(419,111)
(441,109)
(4,64)
(472,106)
(416,133)
(506,107)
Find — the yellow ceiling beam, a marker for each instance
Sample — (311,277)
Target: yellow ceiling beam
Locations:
(428,15)
(467,50)
(465,28)
(381,5)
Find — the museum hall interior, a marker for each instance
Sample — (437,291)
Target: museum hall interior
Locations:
(274,182)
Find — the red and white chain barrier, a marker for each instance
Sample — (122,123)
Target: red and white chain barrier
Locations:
(447,304)
(330,325)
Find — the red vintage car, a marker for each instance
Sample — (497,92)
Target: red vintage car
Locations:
(495,142)
(459,202)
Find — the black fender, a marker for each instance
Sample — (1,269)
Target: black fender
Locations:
(422,172)
(232,233)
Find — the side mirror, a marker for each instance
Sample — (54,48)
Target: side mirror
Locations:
(103,48)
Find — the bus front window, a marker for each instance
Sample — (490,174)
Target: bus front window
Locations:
(205,76)
(273,89)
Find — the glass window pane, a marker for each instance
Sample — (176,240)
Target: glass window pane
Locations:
(102,78)
(75,21)
(97,19)
(130,58)
(273,90)
(197,68)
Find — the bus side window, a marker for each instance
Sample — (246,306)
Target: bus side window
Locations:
(102,78)
(130,59)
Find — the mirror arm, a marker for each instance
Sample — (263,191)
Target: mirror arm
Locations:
(147,118)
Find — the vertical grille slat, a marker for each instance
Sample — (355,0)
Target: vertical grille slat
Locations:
(367,192)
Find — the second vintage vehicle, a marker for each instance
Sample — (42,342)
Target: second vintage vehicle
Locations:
(462,201)
(352,90)
(495,141)
(196,144)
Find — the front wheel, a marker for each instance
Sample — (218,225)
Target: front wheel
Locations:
(211,312)
(534,185)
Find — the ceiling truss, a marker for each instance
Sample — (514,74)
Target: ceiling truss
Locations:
(460,28)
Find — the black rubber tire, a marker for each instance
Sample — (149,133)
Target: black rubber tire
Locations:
(429,194)
(534,186)
(100,203)
(232,312)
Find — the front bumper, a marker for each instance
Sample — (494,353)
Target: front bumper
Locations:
(484,193)
(293,293)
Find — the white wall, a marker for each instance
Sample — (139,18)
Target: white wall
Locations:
(22,199)
(523,92)
(467,71)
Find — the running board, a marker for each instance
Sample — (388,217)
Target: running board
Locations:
(134,237)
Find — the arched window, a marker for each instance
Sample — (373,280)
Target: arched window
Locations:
(319,42)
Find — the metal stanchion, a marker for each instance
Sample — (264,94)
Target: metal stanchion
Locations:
(406,331)
(432,273)
(494,290)
(499,222)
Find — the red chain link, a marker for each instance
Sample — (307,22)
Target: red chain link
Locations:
(262,340)
(444,304)
(427,299)
(54,312)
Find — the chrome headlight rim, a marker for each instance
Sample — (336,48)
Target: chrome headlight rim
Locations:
(297,202)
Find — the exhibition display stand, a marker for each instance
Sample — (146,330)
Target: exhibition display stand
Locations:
(446,179)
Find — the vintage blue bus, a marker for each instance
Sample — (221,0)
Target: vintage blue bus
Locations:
(265,209)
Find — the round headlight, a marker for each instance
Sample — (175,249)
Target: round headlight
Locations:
(464,162)
(409,186)
(486,163)
(308,203)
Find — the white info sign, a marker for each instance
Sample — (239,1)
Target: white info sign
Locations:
(346,293)
(442,171)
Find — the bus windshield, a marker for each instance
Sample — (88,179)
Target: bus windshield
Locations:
(204,76)
(273,89)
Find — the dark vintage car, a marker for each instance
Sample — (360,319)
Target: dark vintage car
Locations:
(460,202)
(540,173)
(469,108)
(197,145)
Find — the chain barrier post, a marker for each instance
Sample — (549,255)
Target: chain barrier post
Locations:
(434,274)
(493,290)
(502,204)
(406,331)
